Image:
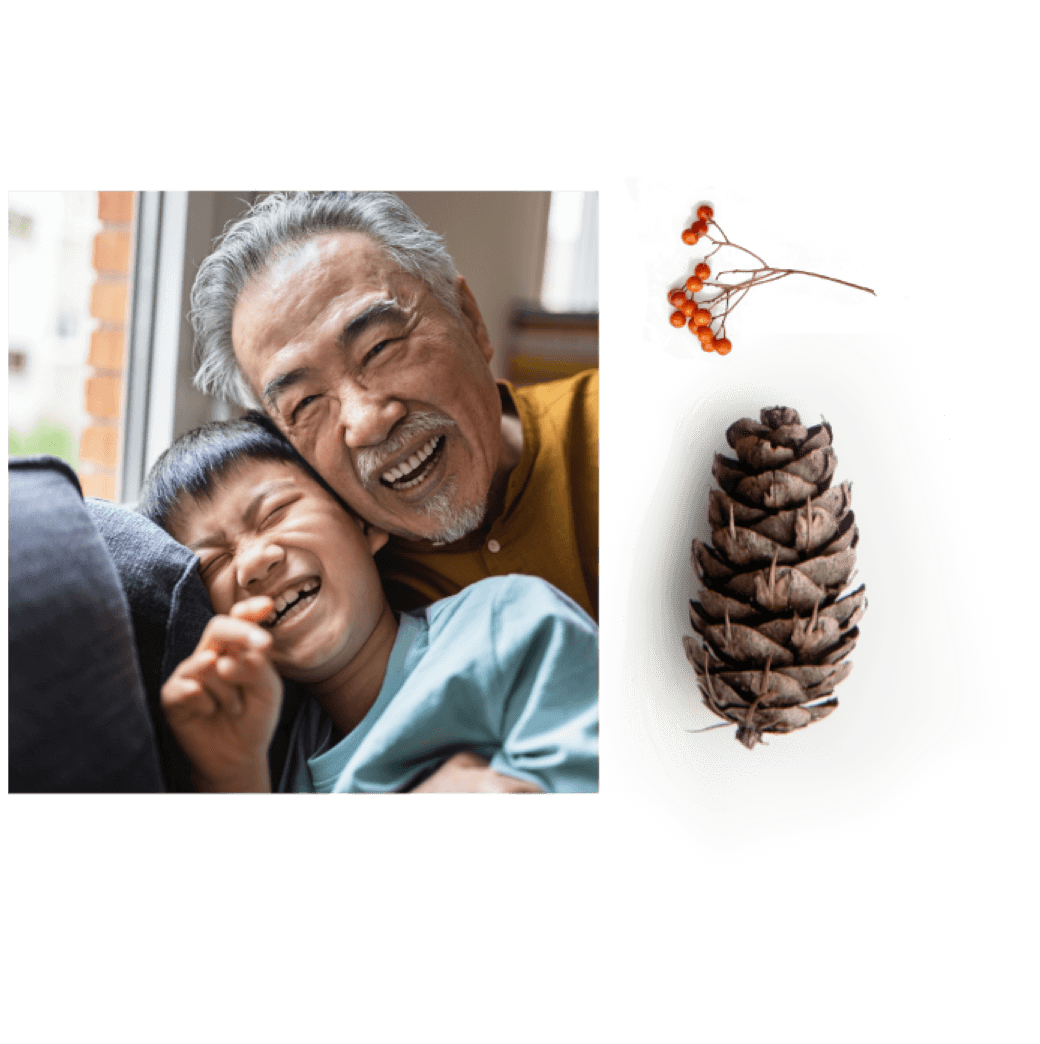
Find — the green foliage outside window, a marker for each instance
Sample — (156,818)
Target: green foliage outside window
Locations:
(46,437)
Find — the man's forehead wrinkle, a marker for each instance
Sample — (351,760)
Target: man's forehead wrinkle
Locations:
(317,291)
(330,255)
(290,287)
(287,260)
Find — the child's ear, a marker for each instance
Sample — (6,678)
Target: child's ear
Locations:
(375,536)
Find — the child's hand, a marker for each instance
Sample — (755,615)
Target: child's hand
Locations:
(223,701)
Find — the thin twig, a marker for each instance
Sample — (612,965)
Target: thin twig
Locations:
(729,295)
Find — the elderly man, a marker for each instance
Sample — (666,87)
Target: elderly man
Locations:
(342,316)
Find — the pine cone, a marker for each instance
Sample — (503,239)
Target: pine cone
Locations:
(774,632)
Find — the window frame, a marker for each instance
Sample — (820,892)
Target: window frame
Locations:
(173,232)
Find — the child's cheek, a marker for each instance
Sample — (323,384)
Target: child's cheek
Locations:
(221,595)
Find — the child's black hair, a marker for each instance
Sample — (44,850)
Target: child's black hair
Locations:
(197,459)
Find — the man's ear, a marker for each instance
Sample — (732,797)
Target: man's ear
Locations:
(474,320)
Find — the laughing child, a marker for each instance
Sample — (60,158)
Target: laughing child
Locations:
(506,669)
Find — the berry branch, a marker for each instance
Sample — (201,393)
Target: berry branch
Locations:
(706,315)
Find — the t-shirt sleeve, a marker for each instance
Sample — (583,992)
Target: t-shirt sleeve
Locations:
(547,650)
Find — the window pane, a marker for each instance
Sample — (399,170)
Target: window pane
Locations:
(570,282)
(50,274)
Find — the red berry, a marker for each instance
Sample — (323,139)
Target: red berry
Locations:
(677,319)
(676,298)
(702,271)
(702,317)
(705,334)
(689,237)
(693,284)
(700,227)
(723,346)
(705,213)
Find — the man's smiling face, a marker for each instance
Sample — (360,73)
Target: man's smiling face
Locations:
(387,393)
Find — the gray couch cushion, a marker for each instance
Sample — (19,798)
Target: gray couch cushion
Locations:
(169,608)
(78,720)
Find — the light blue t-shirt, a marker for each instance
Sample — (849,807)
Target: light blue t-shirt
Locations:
(507,669)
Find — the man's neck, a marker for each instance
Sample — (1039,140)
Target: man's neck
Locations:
(350,693)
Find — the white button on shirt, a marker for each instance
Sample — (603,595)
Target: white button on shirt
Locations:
(494,546)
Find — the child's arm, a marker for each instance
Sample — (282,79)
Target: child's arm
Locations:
(223,701)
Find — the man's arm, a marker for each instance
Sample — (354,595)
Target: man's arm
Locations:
(468,773)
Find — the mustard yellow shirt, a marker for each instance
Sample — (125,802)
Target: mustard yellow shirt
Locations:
(549,525)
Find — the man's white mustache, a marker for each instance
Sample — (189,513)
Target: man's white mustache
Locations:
(371,462)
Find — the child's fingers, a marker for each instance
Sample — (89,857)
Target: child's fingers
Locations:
(201,668)
(246,668)
(226,634)
(230,657)
(195,665)
(234,678)
(186,696)
(241,664)
(226,693)
(253,610)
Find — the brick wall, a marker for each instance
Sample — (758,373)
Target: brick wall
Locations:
(99,444)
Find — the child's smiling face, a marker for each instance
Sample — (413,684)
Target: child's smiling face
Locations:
(269,529)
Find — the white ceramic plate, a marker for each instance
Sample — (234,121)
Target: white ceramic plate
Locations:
(922,690)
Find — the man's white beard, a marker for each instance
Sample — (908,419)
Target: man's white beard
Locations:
(454,520)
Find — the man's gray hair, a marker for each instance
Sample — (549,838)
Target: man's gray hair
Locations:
(282,220)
